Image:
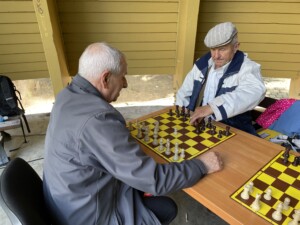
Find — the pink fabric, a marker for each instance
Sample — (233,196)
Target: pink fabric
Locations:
(273,112)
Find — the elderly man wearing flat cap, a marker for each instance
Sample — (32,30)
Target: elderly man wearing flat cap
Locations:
(224,83)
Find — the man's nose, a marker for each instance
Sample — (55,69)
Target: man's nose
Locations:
(125,84)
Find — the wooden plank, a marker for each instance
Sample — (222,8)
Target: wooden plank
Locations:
(256,28)
(295,87)
(286,66)
(19,28)
(121,0)
(24,75)
(150,63)
(260,18)
(16,6)
(74,57)
(22,58)
(107,17)
(254,7)
(121,37)
(247,1)
(22,67)
(17,17)
(148,46)
(117,7)
(118,28)
(279,73)
(21,48)
(20,38)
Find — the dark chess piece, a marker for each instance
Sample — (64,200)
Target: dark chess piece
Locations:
(177,111)
(287,151)
(220,134)
(170,112)
(188,114)
(296,161)
(182,111)
(227,133)
(285,159)
(208,125)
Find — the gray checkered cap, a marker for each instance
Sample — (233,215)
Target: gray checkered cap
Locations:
(219,35)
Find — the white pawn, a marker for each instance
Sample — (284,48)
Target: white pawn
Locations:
(277,215)
(161,144)
(175,158)
(251,187)
(256,203)
(182,154)
(146,132)
(286,203)
(139,134)
(245,193)
(168,152)
(155,143)
(268,194)
(296,218)
(175,131)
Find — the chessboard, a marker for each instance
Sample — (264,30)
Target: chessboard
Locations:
(280,181)
(175,133)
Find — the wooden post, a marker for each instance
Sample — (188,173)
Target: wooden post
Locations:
(295,87)
(46,13)
(186,39)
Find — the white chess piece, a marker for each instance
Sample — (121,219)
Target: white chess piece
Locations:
(256,203)
(286,203)
(268,194)
(168,152)
(155,143)
(296,218)
(277,215)
(161,144)
(251,187)
(139,134)
(175,131)
(245,193)
(182,154)
(146,132)
(175,157)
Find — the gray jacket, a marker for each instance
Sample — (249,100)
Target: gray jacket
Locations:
(94,171)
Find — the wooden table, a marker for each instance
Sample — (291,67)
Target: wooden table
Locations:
(243,156)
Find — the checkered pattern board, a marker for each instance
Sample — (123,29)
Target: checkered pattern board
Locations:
(194,144)
(284,180)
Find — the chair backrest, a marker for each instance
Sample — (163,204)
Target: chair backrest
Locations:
(21,194)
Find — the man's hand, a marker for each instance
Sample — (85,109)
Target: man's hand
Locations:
(200,113)
(212,161)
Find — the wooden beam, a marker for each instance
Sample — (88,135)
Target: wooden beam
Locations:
(295,87)
(186,39)
(46,13)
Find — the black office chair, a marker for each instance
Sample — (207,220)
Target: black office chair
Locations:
(21,194)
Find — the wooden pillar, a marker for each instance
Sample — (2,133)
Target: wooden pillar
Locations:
(47,17)
(186,39)
(295,87)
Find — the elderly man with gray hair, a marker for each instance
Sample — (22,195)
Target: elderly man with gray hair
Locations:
(224,84)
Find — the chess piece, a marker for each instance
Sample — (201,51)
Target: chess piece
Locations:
(177,111)
(268,194)
(296,161)
(139,134)
(175,157)
(256,203)
(245,193)
(251,187)
(277,214)
(227,132)
(155,142)
(182,154)
(296,218)
(168,151)
(161,144)
(220,134)
(175,131)
(170,112)
(286,203)
(146,133)
(182,111)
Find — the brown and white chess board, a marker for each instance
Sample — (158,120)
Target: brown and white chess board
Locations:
(186,136)
(284,181)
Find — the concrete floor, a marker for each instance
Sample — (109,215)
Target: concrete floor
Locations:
(145,94)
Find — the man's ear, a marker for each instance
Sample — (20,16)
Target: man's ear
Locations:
(105,79)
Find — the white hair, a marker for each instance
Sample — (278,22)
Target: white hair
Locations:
(99,57)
